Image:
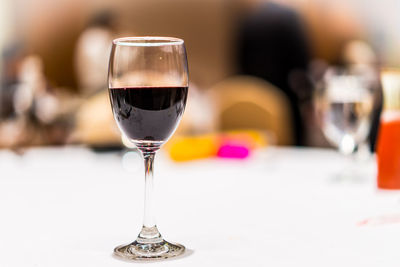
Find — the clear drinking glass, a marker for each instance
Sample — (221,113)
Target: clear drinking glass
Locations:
(148,86)
(344,103)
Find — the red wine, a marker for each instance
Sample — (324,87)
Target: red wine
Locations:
(148,113)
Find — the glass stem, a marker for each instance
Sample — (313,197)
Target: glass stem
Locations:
(149,233)
(148,219)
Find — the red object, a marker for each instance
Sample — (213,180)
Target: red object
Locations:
(388,154)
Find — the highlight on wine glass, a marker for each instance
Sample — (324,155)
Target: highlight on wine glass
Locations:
(148,87)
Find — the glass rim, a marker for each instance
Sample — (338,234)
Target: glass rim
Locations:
(147,41)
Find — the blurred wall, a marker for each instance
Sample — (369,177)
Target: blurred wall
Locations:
(5,21)
(382,21)
(51,28)
(206,25)
(378,22)
(5,25)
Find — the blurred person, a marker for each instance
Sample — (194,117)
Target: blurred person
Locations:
(39,115)
(12,55)
(273,45)
(34,105)
(92,53)
(19,128)
(10,130)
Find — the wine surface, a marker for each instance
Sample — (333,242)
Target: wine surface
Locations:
(148,113)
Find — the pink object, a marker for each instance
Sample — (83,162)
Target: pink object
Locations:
(230,150)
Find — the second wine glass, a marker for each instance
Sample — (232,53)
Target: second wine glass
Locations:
(344,103)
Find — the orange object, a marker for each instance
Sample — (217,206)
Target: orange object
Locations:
(191,148)
(388,146)
(388,154)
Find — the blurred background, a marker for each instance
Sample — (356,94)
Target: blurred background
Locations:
(254,64)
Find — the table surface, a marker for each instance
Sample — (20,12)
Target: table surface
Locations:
(281,207)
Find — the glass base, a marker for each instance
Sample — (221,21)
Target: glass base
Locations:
(356,174)
(149,251)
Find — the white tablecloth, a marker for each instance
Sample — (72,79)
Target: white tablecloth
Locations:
(281,207)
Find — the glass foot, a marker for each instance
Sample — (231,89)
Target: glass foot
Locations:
(149,251)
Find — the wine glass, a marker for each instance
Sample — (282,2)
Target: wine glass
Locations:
(344,103)
(148,87)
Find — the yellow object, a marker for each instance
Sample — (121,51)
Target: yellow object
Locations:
(183,148)
(190,148)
